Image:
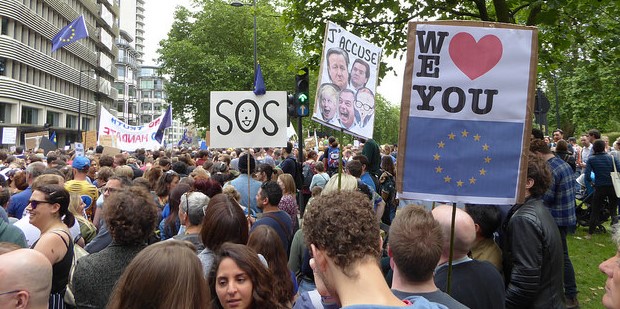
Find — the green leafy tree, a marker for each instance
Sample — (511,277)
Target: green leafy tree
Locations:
(211,49)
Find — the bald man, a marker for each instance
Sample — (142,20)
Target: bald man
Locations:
(26,279)
(476,284)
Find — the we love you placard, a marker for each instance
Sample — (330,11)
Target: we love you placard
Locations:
(465,112)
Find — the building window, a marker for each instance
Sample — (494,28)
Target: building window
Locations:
(158,94)
(4,26)
(71,122)
(147,84)
(146,106)
(146,118)
(146,94)
(53,119)
(2,66)
(30,115)
(5,113)
(85,124)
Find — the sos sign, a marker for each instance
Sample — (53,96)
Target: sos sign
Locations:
(243,119)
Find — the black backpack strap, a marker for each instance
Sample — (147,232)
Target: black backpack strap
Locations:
(282,226)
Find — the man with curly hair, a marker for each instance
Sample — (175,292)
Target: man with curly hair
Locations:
(342,233)
(131,217)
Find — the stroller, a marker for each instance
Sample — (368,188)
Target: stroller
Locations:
(583,207)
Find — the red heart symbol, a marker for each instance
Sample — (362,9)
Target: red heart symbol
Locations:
(475,59)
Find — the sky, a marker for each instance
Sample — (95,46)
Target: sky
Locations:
(159,15)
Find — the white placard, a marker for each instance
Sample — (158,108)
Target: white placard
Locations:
(128,137)
(9,136)
(243,119)
(79,149)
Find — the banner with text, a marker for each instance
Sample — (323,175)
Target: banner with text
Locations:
(243,119)
(128,137)
(467,101)
(345,97)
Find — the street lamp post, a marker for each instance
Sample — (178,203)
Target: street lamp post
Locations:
(240,4)
(79,139)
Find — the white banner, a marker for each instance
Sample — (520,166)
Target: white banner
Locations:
(9,136)
(128,137)
(243,119)
(345,97)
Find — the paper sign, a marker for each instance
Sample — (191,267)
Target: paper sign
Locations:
(90,139)
(468,93)
(9,136)
(128,137)
(33,140)
(345,97)
(243,119)
(79,149)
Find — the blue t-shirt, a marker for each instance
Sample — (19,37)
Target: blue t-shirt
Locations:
(19,202)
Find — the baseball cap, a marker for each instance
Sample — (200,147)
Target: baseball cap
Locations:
(80,163)
(87,200)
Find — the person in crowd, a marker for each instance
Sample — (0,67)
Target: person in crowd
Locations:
(169,226)
(167,181)
(223,221)
(19,201)
(152,175)
(163,275)
(207,186)
(611,269)
(289,164)
(26,279)
(77,207)
(240,280)
(241,183)
(9,232)
(415,246)
(264,172)
(533,246)
(346,252)
(602,164)
(49,212)
(487,220)
(321,177)
(103,238)
(191,213)
(560,199)
(130,218)
(338,67)
(387,189)
(103,175)
(475,284)
(80,183)
(264,240)
(268,199)
(288,202)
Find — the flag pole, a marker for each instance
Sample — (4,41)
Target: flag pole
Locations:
(450,258)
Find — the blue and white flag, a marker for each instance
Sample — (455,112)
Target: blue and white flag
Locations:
(72,32)
(185,138)
(165,123)
(53,138)
(467,115)
(259,82)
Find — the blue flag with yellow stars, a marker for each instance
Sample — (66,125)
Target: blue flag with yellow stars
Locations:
(72,32)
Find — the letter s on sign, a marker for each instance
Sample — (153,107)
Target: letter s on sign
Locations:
(219,113)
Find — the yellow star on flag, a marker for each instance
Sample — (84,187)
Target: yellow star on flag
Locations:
(477,138)
(464,133)
(441,144)
(485,147)
(487,160)
(438,169)
(472,180)
(483,172)
(436,157)
(459,183)
(451,136)
(447,179)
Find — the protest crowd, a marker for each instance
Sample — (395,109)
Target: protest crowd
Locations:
(223,228)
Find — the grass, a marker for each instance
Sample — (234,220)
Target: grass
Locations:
(586,255)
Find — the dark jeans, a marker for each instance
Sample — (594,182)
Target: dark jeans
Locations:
(570,285)
(600,193)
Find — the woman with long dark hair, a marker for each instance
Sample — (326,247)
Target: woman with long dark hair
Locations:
(49,212)
(169,226)
(240,280)
(388,189)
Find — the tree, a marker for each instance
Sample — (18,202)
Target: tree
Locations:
(212,50)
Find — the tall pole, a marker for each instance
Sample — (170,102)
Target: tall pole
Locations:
(557,102)
(255,52)
(79,138)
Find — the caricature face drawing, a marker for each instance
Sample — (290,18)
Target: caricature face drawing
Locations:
(247,115)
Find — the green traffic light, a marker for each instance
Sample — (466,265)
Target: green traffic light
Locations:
(302,98)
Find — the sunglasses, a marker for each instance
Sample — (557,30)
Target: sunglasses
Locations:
(34,204)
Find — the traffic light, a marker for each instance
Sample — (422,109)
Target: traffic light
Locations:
(302,98)
(292,111)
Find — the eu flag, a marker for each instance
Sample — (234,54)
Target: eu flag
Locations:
(53,138)
(72,32)
(452,158)
(165,123)
(259,82)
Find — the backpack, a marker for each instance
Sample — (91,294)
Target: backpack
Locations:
(332,160)
(307,174)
